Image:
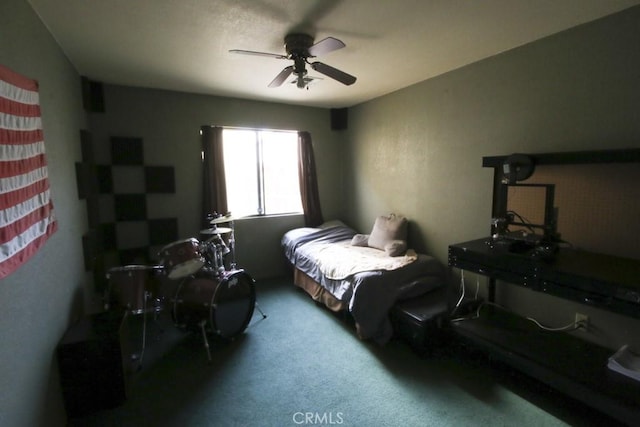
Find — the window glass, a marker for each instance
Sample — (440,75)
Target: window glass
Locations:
(261,169)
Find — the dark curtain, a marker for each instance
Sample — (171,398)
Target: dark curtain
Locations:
(308,181)
(214,195)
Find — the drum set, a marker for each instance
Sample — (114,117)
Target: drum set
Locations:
(212,295)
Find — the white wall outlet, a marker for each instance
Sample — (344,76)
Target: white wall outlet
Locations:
(582,321)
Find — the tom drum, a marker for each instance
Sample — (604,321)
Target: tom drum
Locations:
(182,258)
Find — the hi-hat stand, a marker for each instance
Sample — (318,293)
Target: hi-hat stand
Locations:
(229,219)
(215,249)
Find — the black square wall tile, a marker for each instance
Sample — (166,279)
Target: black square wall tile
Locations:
(86,145)
(126,151)
(163,231)
(134,256)
(132,234)
(108,241)
(90,248)
(130,207)
(105,179)
(159,179)
(86,180)
(93,211)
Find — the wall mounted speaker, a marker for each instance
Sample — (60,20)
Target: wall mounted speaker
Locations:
(92,96)
(339,118)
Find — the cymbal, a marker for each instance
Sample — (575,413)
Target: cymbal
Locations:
(216,230)
(222,219)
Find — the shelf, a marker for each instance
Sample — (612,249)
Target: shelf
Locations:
(569,364)
(568,158)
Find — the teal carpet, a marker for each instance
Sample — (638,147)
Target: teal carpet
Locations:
(304,365)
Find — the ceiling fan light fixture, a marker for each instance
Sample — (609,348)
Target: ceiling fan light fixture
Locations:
(304,82)
(300,48)
(301,82)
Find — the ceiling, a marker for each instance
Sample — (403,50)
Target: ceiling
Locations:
(184,45)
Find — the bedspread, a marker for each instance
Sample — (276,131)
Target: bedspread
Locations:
(370,287)
(340,260)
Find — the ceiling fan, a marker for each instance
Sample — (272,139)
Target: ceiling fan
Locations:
(300,48)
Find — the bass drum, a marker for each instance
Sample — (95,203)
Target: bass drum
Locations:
(225,304)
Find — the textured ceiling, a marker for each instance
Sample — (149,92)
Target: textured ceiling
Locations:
(183,45)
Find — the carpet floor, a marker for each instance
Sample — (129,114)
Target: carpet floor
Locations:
(304,365)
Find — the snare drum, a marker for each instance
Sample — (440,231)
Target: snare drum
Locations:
(224,303)
(133,287)
(182,258)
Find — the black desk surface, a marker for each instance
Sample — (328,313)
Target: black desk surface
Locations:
(606,281)
(601,267)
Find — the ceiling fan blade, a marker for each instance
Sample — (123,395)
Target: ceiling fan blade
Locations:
(251,52)
(325,46)
(334,73)
(280,78)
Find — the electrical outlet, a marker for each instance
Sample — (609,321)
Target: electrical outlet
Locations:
(582,321)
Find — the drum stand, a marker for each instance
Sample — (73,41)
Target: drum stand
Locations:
(156,309)
(232,246)
(202,323)
(217,250)
(264,316)
(232,264)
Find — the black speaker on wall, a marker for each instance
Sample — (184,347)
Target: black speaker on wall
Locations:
(92,96)
(339,118)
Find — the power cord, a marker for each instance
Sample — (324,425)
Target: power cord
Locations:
(571,327)
(477,312)
(523,220)
(463,291)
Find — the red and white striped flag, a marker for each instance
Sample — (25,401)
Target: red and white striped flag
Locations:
(26,212)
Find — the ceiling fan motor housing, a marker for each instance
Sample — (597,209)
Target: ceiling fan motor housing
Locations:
(297,45)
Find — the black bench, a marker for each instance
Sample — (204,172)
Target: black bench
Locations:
(421,320)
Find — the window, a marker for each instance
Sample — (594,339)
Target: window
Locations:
(261,170)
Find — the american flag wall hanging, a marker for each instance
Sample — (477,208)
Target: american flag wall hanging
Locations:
(26,212)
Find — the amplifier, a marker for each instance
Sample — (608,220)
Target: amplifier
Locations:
(94,363)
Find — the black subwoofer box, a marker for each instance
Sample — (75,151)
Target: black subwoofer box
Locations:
(93,359)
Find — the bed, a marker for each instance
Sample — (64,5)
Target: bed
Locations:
(364,274)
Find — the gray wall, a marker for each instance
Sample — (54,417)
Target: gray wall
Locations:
(40,299)
(169,124)
(418,151)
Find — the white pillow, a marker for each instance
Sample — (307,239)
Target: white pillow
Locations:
(388,229)
(360,240)
(396,248)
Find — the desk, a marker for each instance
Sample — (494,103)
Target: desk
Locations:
(604,281)
(572,366)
